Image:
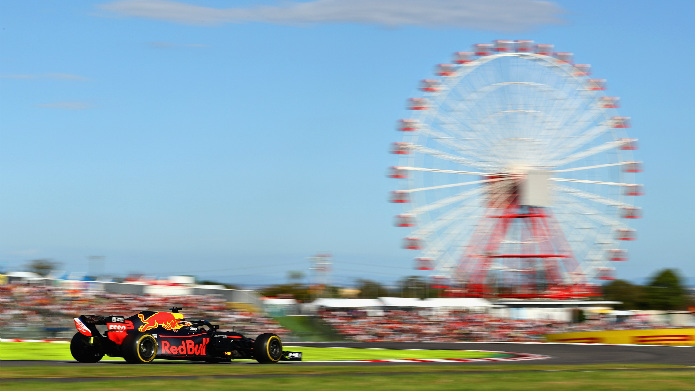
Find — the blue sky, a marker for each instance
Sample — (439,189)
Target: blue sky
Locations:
(234,140)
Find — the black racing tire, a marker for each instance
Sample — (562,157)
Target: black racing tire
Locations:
(268,348)
(139,348)
(83,350)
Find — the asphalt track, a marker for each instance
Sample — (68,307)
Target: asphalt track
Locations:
(558,354)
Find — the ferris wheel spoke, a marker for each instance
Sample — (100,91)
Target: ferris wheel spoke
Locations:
(589,152)
(439,244)
(574,134)
(477,95)
(471,134)
(592,182)
(446,141)
(447,186)
(593,214)
(474,248)
(574,139)
(496,138)
(590,167)
(591,113)
(438,170)
(446,156)
(445,202)
(449,218)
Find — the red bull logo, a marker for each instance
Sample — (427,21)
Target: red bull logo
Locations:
(166,320)
(187,347)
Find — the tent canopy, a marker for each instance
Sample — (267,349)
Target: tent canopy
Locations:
(404,302)
(459,302)
(348,303)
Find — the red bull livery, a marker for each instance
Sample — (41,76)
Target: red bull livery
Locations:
(148,335)
(166,320)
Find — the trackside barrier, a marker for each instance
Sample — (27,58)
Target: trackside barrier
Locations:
(677,337)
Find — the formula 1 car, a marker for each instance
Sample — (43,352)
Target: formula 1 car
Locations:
(148,335)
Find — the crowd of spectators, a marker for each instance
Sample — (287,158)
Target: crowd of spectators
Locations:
(51,310)
(460,326)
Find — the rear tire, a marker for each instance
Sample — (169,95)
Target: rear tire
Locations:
(268,348)
(84,351)
(139,348)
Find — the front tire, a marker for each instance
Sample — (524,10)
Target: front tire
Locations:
(139,348)
(83,350)
(268,348)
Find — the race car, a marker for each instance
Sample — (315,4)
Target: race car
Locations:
(148,335)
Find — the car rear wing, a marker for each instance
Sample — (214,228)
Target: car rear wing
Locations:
(87,324)
(99,319)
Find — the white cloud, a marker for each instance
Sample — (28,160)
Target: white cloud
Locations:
(494,15)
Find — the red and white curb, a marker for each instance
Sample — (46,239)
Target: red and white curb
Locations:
(514,357)
(510,357)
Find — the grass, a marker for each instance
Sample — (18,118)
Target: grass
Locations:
(324,378)
(61,351)
(34,351)
(308,328)
(250,376)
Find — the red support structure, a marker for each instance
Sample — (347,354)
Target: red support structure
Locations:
(538,267)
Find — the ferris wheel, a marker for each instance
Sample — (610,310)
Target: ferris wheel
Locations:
(516,174)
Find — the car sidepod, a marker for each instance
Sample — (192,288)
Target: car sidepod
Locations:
(183,346)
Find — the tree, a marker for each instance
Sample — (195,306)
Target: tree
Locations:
(296,291)
(295,276)
(211,282)
(412,286)
(665,291)
(417,287)
(42,267)
(632,297)
(371,289)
